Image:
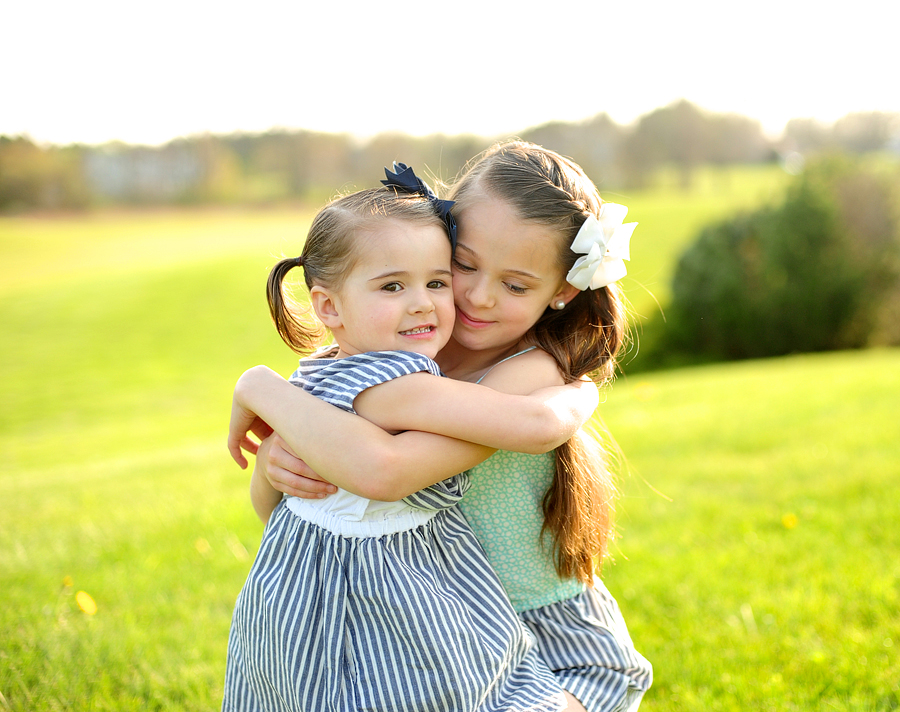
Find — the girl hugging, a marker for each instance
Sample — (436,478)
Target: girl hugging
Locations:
(386,595)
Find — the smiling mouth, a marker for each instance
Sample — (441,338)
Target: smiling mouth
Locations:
(473,320)
(417,330)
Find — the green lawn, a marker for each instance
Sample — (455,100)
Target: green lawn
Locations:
(759,561)
(758,558)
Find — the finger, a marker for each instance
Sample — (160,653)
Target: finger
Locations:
(307,494)
(304,470)
(289,483)
(237,454)
(284,461)
(249,445)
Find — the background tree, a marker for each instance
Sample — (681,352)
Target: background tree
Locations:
(814,273)
(300,165)
(685,136)
(32,177)
(596,145)
(866,132)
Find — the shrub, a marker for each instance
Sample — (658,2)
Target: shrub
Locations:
(812,274)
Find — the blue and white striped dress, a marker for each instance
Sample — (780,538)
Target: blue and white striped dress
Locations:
(353,604)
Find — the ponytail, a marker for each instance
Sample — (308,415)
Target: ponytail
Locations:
(578,508)
(301,334)
(584,339)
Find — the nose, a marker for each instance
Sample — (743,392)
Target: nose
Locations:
(421,302)
(480,293)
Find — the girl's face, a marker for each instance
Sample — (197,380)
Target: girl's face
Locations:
(397,297)
(505,274)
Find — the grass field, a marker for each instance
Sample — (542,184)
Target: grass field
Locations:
(758,562)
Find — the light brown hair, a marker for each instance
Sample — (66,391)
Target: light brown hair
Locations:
(584,338)
(329,256)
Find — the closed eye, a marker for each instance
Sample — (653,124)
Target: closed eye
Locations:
(515,288)
(462,268)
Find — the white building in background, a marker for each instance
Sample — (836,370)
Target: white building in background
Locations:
(143,174)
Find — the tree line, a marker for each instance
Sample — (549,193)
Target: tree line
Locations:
(281,165)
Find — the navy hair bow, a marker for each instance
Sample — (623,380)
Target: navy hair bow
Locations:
(403,178)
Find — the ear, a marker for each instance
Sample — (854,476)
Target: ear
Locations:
(327,306)
(566,293)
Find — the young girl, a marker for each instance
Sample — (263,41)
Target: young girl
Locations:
(360,604)
(537,304)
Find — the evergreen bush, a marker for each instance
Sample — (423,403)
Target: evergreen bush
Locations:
(814,273)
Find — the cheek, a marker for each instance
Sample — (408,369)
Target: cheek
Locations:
(459,284)
(446,302)
(522,313)
(517,309)
(383,314)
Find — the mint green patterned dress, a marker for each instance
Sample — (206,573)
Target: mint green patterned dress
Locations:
(580,631)
(503,505)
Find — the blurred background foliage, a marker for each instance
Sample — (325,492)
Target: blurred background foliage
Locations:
(298,165)
(819,270)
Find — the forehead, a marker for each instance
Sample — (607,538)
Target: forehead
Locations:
(396,243)
(490,229)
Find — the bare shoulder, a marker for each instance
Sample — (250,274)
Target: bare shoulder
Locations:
(525,373)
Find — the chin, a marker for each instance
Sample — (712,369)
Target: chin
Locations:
(473,344)
(429,351)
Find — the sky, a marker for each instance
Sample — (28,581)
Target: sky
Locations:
(100,70)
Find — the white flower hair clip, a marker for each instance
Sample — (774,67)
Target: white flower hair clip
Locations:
(604,243)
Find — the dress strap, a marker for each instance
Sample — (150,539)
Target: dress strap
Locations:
(524,351)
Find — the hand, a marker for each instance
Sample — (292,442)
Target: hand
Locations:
(288,473)
(243,422)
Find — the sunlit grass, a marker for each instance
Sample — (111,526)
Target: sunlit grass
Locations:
(758,564)
(43,250)
(124,531)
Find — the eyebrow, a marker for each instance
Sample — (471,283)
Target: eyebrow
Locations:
(404,273)
(522,273)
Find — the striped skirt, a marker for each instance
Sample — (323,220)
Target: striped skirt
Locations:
(406,622)
(585,642)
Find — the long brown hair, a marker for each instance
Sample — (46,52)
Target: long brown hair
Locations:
(584,338)
(328,255)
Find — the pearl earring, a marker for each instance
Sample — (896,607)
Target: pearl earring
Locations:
(560,305)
